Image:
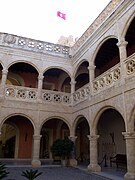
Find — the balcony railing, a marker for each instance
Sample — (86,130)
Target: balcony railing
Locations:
(56,97)
(14,41)
(31,94)
(20,93)
(82,93)
(130,65)
(101,83)
(107,79)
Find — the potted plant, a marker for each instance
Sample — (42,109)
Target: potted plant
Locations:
(62,148)
(31,174)
(3,172)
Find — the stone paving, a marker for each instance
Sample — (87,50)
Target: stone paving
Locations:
(54,173)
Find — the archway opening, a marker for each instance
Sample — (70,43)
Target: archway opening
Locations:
(82,75)
(111,141)
(23,74)
(52,130)
(57,80)
(82,142)
(16,138)
(130,38)
(107,56)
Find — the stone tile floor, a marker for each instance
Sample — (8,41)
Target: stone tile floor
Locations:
(63,173)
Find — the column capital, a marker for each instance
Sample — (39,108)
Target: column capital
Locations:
(91,67)
(40,77)
(4,71)
(72,138)
(37,137)
(129,135)
(72,82)
(122,43)
(93,137)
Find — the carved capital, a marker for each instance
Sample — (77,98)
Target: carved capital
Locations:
(129,135)
(93,137)
(73,138)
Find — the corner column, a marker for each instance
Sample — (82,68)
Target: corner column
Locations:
(130,149)
(91,69)
(73,82)
(93,166)
(3,81)
(36,148)
(73,161)
(122,44)
(40,84)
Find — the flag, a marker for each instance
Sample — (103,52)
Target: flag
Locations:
(62,15)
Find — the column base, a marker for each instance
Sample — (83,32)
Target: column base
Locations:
(73,162)
(35,163)
(129,176)
(94,168)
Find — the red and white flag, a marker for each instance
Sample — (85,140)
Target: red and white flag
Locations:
(61,15)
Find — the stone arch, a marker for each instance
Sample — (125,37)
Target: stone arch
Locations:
(16,139)
(97,116)
(99,45)
(55,117)
(77,66)
(27,71)
(18,114)
(51,129)
(109,128)
(57,67)
(54,77)
(127,24)
(25,62)
(76,121)
(107,56)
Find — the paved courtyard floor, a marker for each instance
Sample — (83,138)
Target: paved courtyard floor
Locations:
(54,173)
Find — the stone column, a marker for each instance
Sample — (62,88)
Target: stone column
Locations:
(73,82)
(123,54)
(73,161)
(91,69)
(122,49)
(93,166)
(36,148)
(3,81)
(40,84)
(130,149)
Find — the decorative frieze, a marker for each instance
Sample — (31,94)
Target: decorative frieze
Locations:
(34,45)
(98,21)
(82,93)
(56,97)
(107,78)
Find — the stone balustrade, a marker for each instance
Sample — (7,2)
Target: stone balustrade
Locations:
(101,83)
(30,94)
(14,41)
(56,97)
(130,65)
(82,93)
(20,93)
(107,79)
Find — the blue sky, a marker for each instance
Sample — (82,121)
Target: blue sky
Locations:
(38,19)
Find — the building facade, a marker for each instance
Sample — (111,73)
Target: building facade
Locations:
(85,92)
